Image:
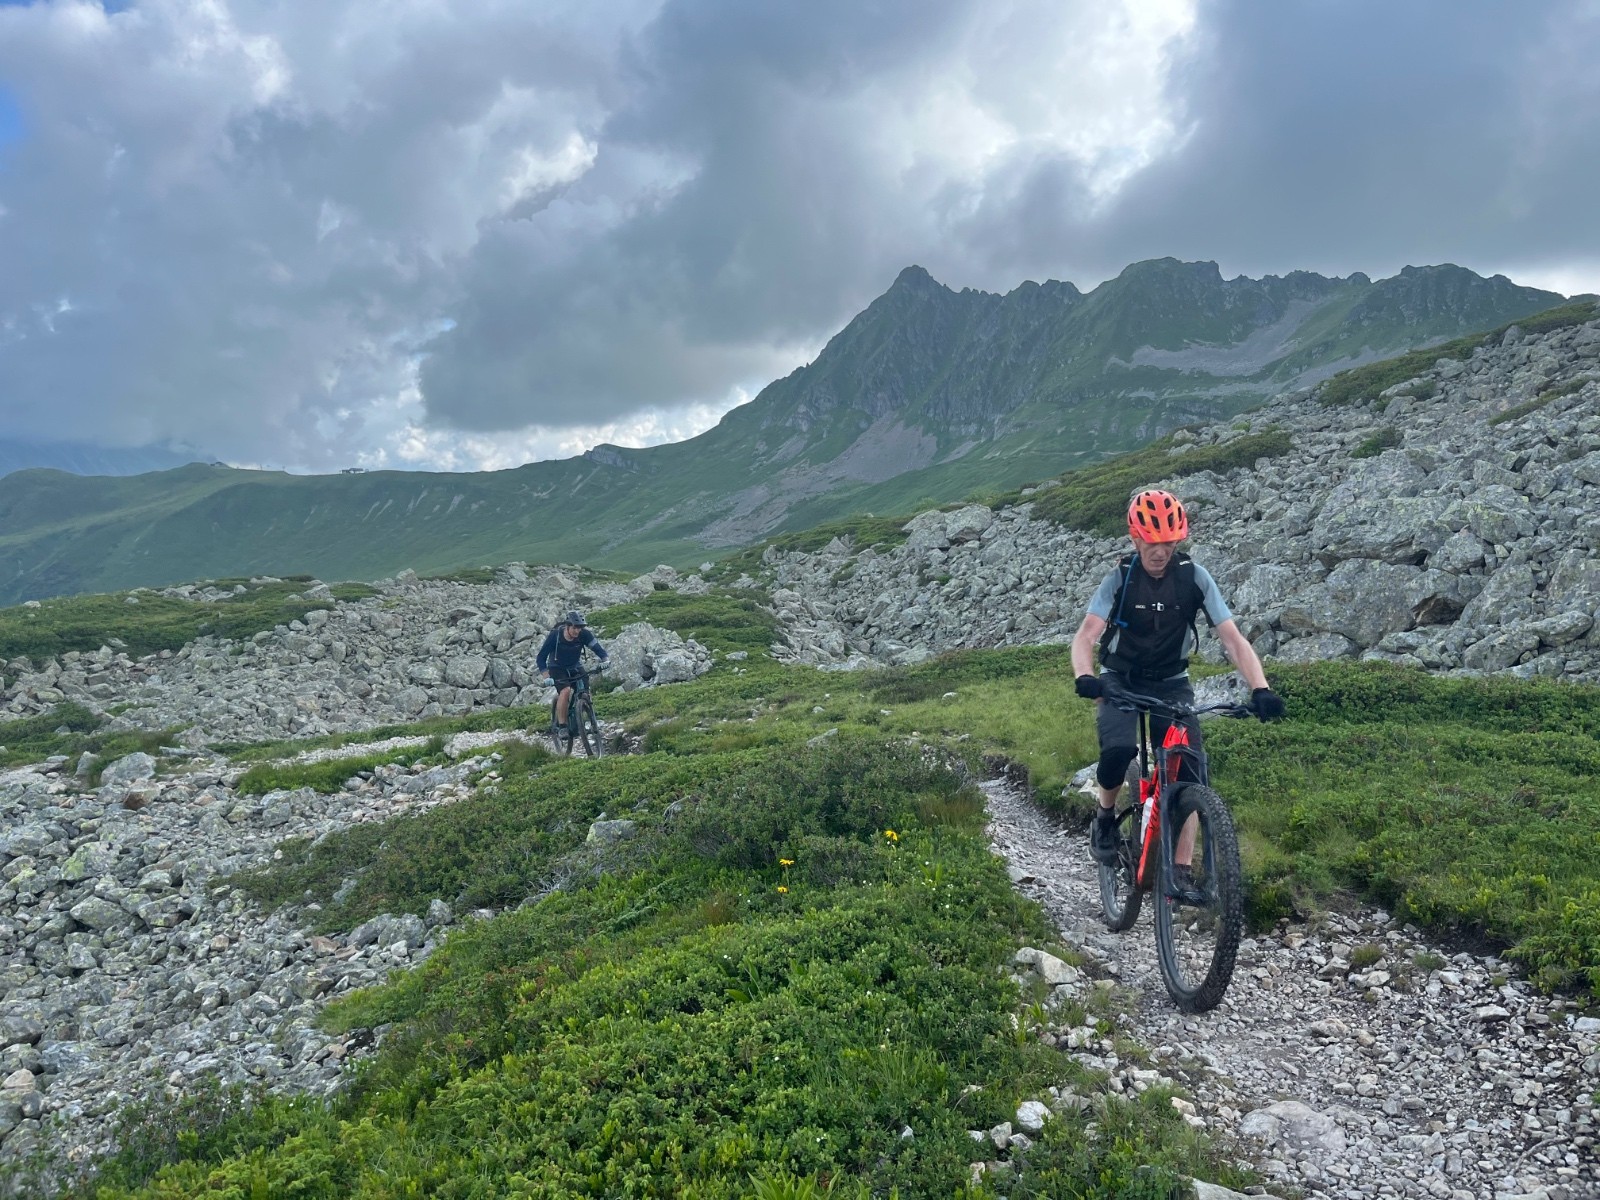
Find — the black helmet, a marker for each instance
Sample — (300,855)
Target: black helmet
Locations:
(575,618)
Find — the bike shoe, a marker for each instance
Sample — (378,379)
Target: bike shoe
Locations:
(1184,889)
(1103,840)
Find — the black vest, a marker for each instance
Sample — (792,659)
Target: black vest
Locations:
(1151,620)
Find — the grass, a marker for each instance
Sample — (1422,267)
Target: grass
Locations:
(70,730)
(1095,498)
(155,622)
(329,775)
(1463,805)
(1365,382)
(720,620)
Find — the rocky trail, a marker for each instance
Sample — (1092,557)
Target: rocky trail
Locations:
(1351,1058)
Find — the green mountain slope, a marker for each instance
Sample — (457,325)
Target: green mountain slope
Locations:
(925,397)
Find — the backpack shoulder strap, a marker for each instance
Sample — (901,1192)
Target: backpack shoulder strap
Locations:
(1189,595)
(1126,567)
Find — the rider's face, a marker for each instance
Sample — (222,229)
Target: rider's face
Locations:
(1154,556)
(572,632)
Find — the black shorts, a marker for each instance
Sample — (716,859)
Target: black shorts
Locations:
(1120,729)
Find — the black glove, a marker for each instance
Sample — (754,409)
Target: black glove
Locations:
(1090,688)
(1267,703)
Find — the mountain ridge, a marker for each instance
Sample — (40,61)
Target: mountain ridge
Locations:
(927,396)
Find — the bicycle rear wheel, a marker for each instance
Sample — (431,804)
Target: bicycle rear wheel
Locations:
(1197,936)
(588,728)
(1120,897)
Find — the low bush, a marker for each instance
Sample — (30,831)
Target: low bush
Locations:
(155,622)
(327,776)
(860,531)
(1517,411)
(1386,438)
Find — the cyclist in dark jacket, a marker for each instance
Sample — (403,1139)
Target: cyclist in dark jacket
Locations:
(561,655)
(1142,616)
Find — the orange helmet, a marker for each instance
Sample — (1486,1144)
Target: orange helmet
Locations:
(1157,517)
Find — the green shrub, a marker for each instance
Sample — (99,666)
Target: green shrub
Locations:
(1365,955)
(676,1024)
(861,531)
(327,776)
(720,620)
(1386,438)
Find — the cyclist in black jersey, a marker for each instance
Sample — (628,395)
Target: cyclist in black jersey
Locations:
(1143,617)
(560,656)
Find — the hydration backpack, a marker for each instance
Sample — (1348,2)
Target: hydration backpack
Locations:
(1152,648)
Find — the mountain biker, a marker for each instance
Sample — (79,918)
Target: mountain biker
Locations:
(560,656)
(1142,616)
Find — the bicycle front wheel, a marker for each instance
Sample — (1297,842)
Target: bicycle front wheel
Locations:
(1198,928)
(588,728)
(563,731)
(1120,896)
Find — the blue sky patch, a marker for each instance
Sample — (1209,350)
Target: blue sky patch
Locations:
(11,127)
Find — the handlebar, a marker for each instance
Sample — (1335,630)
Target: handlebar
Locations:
(586,672)
(1138,701)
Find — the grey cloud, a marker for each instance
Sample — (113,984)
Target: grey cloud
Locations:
(261,214)
(1355,135)
(256,223)
(784,209)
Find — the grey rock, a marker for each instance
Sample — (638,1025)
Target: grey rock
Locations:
(128,770)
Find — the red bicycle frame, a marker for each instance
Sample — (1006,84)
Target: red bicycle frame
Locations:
(1151,785)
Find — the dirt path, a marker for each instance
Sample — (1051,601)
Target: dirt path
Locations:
(1419,1074)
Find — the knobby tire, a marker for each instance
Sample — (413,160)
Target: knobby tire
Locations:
(1120,897)
(1197,943)
(563,734)
(589,728)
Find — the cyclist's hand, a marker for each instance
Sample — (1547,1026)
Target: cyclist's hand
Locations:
(1267,703)
(1089,687)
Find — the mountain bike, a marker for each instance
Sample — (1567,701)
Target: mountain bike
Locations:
(1169,820)
(581,726)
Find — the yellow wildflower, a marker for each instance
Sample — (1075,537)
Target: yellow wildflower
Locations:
(891,835)
(786,862)
(782,891)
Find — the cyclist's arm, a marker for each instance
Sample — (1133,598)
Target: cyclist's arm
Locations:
(599,650)
(1094,624)
(1084,642)
(545,651)
(1240,653)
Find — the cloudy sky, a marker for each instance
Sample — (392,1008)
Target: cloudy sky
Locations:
(469,233)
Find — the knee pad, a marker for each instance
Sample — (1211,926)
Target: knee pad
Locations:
(1113,769)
